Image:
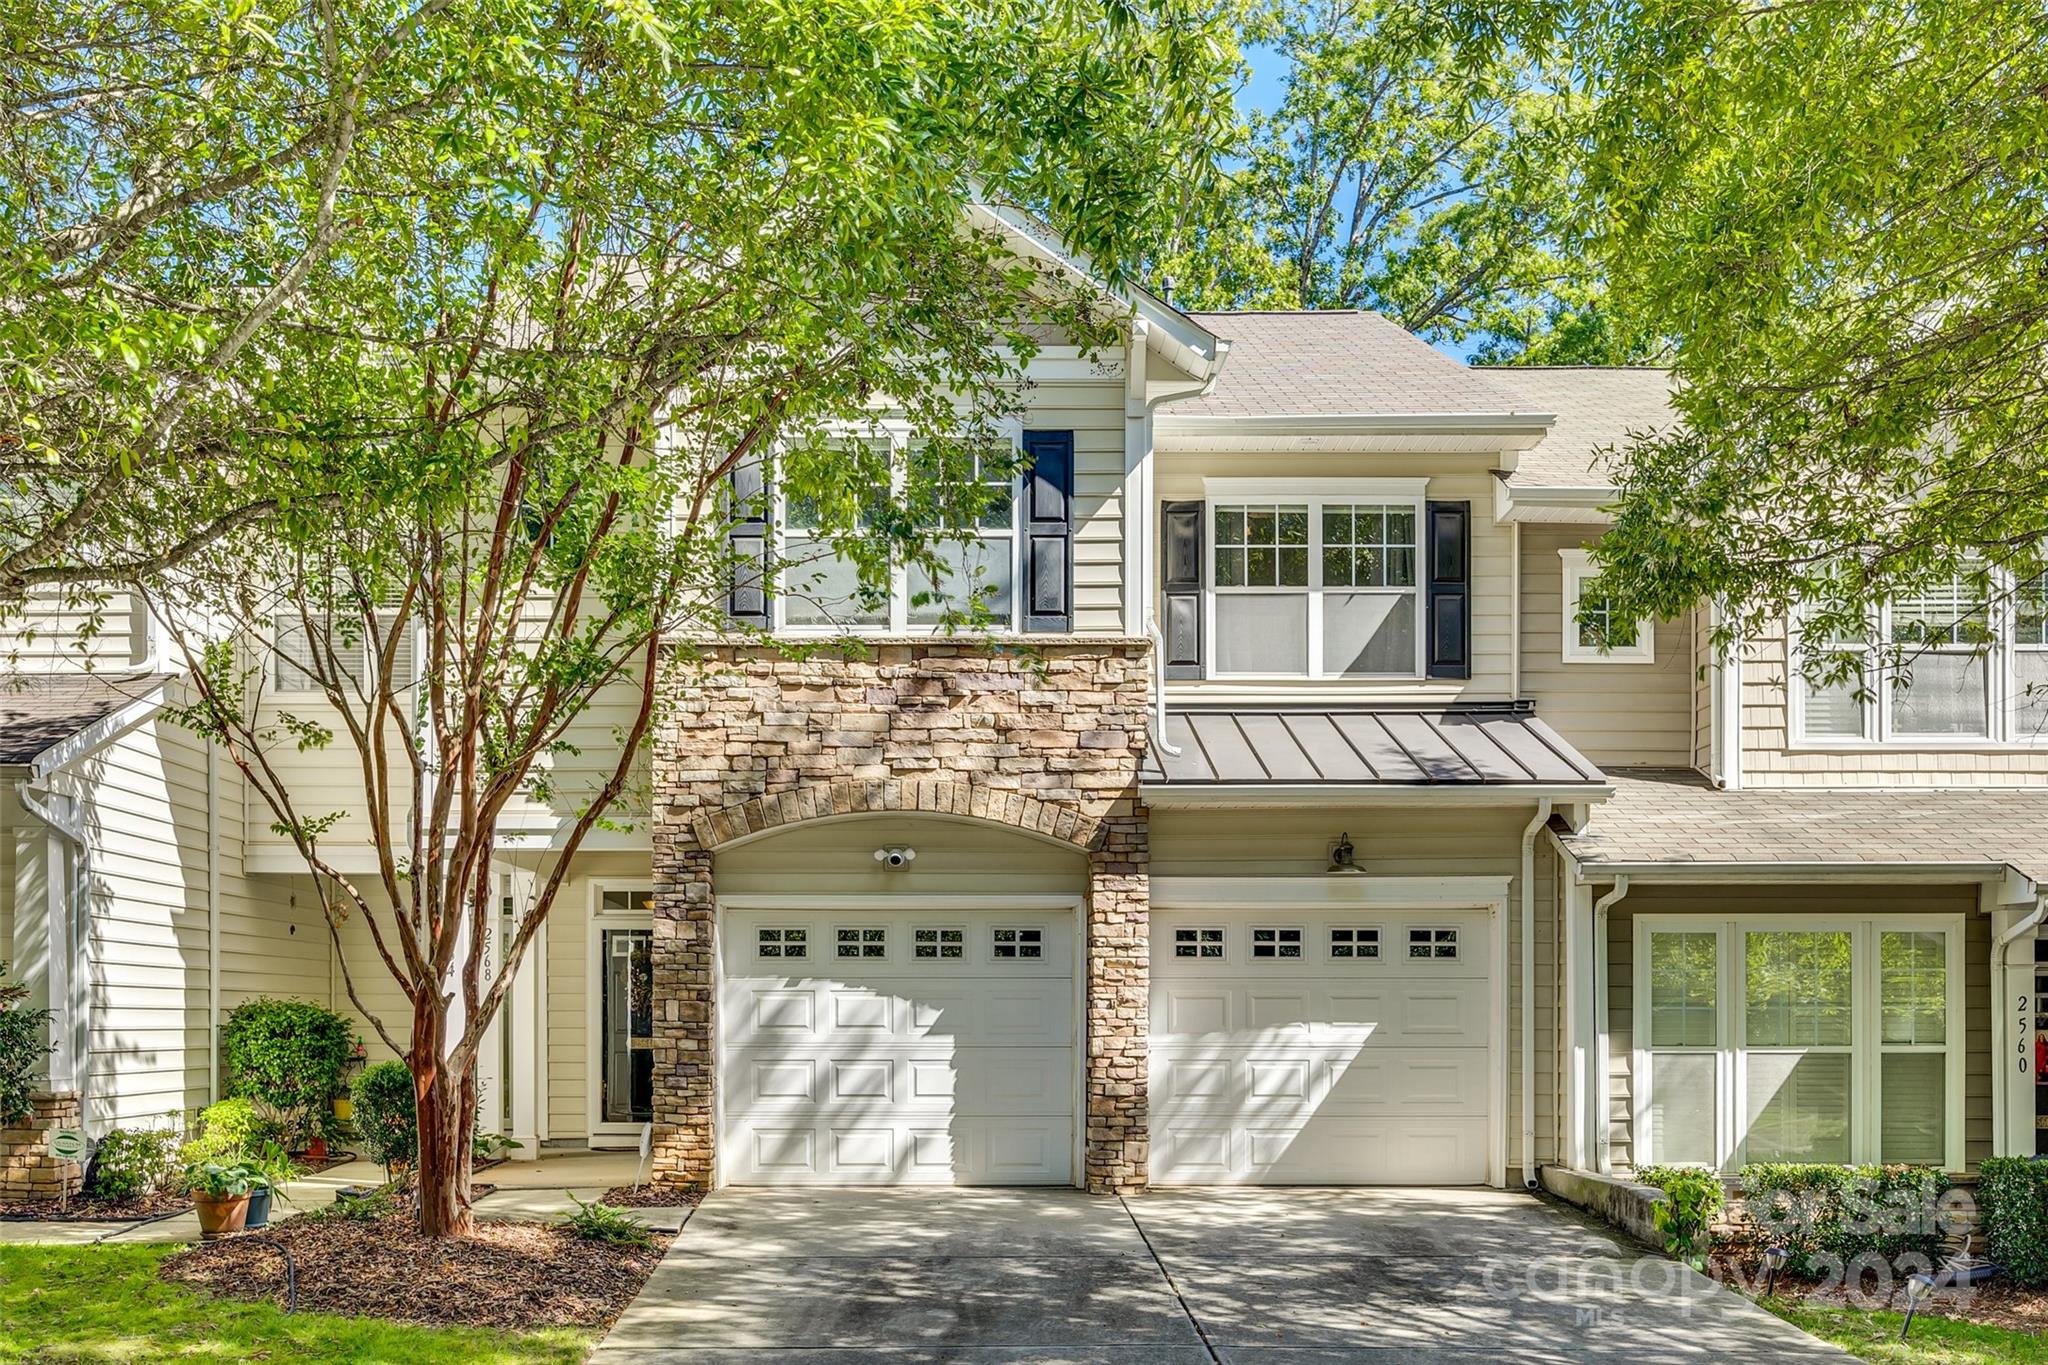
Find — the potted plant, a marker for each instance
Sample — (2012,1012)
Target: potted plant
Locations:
(274,1170)
(220,1194)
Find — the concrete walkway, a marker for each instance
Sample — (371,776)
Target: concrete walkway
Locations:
(539,1191)
(1267,1277)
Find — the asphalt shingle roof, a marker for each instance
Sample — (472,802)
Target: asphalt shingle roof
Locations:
(1362,746)
(1599,410)
(1678,817)
(38,710)
(1337,364)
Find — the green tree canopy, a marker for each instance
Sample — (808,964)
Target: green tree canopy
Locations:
(1418,164)
(1839,210)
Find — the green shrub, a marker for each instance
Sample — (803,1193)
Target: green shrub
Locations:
(132,1162)
(1842,1211)
(595,1222)
(228,1130)
(2012,1192)
(385,1121)
(221,1179)
(1685,1216)
(288,1056)
(24,1042)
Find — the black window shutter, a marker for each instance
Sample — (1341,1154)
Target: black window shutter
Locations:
(1180,538)
(1449,550)
(747,602)
(1049,530)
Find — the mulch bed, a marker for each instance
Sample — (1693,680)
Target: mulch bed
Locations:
(651,1197)
(1998,1303)
(509,1275)
(158,1204)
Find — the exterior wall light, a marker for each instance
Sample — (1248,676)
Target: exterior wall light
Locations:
(1344,859)
(895,857)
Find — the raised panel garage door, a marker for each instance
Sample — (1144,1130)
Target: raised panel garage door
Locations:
(1320,1048)
(897,1048)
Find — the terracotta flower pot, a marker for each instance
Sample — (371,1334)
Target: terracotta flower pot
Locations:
(220,1215)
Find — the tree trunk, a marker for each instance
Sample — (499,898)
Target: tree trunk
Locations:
(446,1108)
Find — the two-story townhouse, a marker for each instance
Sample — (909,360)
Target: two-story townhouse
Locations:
(1296,826)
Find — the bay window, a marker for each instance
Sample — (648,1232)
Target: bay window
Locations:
(1316,580)
(1827,1040)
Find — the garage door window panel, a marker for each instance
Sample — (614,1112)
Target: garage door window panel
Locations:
(783,943)
(1353,944)
(1203,944)
(1433,944)
(1271,943)
(939,945)
(1016,945)
(866,943)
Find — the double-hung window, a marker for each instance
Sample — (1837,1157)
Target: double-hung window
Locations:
(1957,666)
(339,634)
(1315,579)
(1823,1040)
(821,588)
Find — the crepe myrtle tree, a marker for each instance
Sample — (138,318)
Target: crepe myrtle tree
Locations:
(1836,212)
(540,280)
(218,219)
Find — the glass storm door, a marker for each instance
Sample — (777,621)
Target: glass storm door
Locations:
(628,1025)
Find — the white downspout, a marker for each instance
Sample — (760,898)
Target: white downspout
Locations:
(1515,611)
(1603,1157)
(2002,1088)
(1528,947)
(212,923)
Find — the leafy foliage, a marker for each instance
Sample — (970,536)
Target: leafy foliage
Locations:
(1836,210)
(2012,1192)
(385,1120)
(599,1222)
(1832,1211)
(228,1129)
(24,1042)
(221,1179)
(131,1162)
(1685,1215)
(1417,164)
(288,1055)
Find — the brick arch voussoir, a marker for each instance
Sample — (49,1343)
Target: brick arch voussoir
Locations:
(921,796)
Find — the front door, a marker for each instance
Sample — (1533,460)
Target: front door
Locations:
(627,1084)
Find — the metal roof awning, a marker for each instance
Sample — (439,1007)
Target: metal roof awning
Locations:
(1500,751)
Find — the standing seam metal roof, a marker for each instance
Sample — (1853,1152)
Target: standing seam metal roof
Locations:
(1502,745)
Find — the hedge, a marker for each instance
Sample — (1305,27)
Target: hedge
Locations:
(288,1055)
(1841,1212)
(2012,1192)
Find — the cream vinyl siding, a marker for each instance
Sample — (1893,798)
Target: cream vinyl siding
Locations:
(1451,477)
(1772,757)
(837,857)
(49,637)
(566,988)
(145,805)
(1619,714)
(1401,842)
(577,773)
(1721,903)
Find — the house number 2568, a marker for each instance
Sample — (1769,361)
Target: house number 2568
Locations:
(2024,1063)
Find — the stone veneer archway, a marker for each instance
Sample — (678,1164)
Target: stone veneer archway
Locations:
(1047,743)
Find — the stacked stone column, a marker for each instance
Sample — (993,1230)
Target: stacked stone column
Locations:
(28,1169)
(684,1069)
(1119,998)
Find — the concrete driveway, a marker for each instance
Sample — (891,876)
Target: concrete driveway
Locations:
(1266,1277)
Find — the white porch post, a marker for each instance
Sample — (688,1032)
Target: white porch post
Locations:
(2012,1030)
(524,1020)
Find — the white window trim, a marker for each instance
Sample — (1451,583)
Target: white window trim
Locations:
(304,686)
(1578,571)
(2001,686)
(898,436)
(1314,494)
(1866,1049)
(599,920)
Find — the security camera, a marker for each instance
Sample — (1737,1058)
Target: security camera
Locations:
(895,857)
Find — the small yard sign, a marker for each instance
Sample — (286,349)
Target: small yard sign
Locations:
(67,1144)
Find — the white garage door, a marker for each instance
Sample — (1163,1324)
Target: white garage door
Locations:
(878,1048)
(1320,1048)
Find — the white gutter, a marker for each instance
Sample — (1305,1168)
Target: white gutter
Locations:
(1765,872)
(1528,964)
(212,922)
(1603,1159)
(62,914)
(1534,424)
(1232,796)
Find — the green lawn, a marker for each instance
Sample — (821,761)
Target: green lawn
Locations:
(105,1303)
(1935,1341)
